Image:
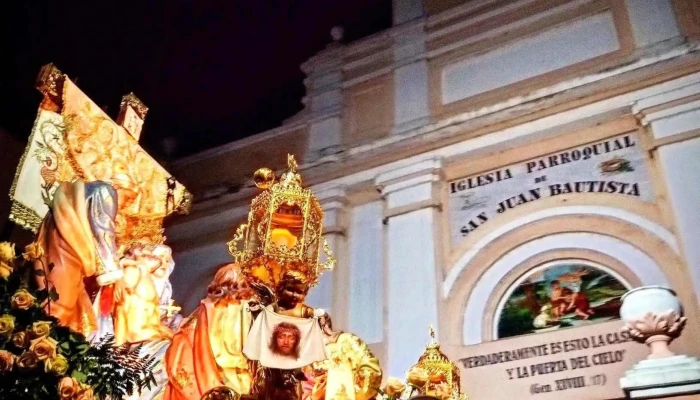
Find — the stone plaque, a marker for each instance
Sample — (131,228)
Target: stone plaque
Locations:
(615,166)
(584,363)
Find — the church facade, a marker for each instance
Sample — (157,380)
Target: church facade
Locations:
(504,170)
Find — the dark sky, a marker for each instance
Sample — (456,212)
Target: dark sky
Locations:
(211,71)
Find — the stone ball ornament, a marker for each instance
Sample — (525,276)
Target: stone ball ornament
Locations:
(653,315)
(264,178)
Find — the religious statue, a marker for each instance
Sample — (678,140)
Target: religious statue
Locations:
(351,371)
(137,315)
(97,201)
(253,335)
(207,351)
(294,287)
(78,241)
(277,343)
(89,191)
(169,313)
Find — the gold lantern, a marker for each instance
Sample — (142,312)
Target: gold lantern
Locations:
(283,232)
(443,374)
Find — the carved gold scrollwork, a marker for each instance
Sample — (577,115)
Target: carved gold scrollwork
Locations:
(330,262)
(237,238)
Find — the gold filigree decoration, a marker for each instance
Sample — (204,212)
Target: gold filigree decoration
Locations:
(330,262)
(49,81)
(86,325)
(283,231)
(72,138)
(238,237)
(669,324)
(436,364)
(24,217)
(133,101)
(182,378)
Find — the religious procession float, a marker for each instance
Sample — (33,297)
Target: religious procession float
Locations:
(86,309)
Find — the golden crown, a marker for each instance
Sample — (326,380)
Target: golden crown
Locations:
(440,368)
(283,232)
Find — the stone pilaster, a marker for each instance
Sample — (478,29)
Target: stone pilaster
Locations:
(411,109)
(411,216)
(324,101)
(406,10)
(330,292)
(673,118)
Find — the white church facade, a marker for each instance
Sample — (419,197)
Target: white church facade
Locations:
(475,161)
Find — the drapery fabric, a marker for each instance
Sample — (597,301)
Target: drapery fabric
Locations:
(308,346)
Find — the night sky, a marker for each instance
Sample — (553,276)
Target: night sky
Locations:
(211,71)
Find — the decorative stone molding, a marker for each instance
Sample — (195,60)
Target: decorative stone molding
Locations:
(391,181)
(406,10)
(409,43)
(395,212)
(334,201)
(324,100)
(410,188)
(653,315)
(411,92)
(656,331)
(663,377)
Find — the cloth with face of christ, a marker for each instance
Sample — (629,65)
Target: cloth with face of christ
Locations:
(284,342)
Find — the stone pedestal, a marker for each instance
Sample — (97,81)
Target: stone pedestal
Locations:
(662,377)
(653,315)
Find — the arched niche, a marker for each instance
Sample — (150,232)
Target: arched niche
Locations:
(636,247)
(557,294)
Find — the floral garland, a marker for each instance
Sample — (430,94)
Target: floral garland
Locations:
(39,359)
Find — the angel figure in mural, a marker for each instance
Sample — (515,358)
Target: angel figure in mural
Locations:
(78,238)
(350,372)
(564,300)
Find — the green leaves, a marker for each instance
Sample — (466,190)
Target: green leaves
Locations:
(79,376)
(112,372)
(118,371)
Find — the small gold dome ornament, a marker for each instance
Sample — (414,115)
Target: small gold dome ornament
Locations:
(442,373)
(221,393)
(264,178)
